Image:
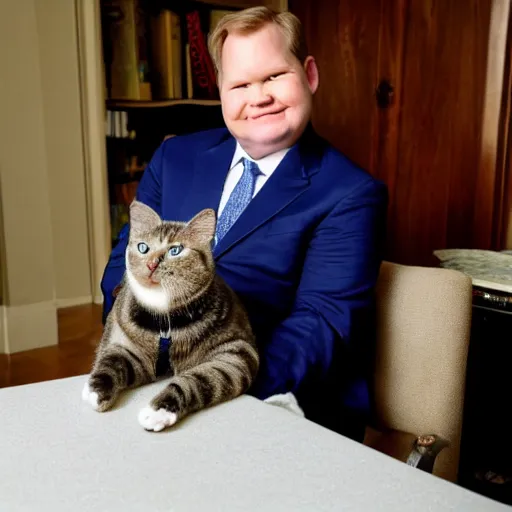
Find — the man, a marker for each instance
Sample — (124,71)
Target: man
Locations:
(300,228)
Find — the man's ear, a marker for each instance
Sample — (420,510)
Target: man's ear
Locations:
(312,75)
(142,218)
(202,227)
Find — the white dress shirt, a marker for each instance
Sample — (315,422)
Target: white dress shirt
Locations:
(267,166)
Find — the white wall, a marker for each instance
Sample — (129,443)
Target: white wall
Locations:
(42,192)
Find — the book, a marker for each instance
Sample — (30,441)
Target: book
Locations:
(125,51)
(190,81)
(215,16)
(166,55)
(203,74)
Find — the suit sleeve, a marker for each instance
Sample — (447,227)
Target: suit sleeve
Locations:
(336,289)
(148,192)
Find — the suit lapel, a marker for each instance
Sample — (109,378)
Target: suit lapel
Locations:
(287,182)
(210,171)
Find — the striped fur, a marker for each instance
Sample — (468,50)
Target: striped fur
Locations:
(213,355)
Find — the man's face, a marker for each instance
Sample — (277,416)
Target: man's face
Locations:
(266,93)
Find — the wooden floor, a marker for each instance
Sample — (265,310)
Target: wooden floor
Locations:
(79,333)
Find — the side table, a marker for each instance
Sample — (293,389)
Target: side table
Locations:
(486,453)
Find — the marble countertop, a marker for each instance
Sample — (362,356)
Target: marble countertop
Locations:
(488,269)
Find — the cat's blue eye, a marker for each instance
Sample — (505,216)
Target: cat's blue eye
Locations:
(175,250)
(143,248)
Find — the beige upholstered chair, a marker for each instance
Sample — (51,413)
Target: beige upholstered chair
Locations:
(423,329)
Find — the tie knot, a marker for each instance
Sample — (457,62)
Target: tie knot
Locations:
(251,166)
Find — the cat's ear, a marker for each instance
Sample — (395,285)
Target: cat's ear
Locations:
(142,218)
(202,227)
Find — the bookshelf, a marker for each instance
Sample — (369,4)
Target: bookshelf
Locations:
(106,156)
(151,116)
(129,104)
(158,82)
(278,5)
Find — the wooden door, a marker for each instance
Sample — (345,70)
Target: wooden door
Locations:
(343,35)
(443,189)
(427,144)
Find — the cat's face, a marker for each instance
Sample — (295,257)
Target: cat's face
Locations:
(169,263)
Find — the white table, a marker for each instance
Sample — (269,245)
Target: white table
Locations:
(57,454)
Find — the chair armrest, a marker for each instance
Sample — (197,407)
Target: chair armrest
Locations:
(417,451)
(425,450)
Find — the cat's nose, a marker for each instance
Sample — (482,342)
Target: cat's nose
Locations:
(152,265)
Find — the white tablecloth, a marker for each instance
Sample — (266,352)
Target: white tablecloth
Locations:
(57,454)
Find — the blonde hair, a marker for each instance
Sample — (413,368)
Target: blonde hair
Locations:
(251,20)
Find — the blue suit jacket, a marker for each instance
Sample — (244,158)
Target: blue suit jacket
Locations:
(304,257)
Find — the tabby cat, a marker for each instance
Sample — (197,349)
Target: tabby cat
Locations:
(174,316)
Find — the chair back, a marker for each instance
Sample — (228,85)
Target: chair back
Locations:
(423,331)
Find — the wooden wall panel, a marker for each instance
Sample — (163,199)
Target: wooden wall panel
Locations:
(500,45)
(489,198)
(503,212)
(386,128)
(436,144)
(343,36)
(440,128)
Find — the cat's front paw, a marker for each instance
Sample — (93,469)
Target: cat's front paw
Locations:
(156,420)
(99,397)
(90,396)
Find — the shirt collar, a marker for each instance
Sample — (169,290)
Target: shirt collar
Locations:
(267,164)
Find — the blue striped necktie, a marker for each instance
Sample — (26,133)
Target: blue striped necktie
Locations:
(239,198)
